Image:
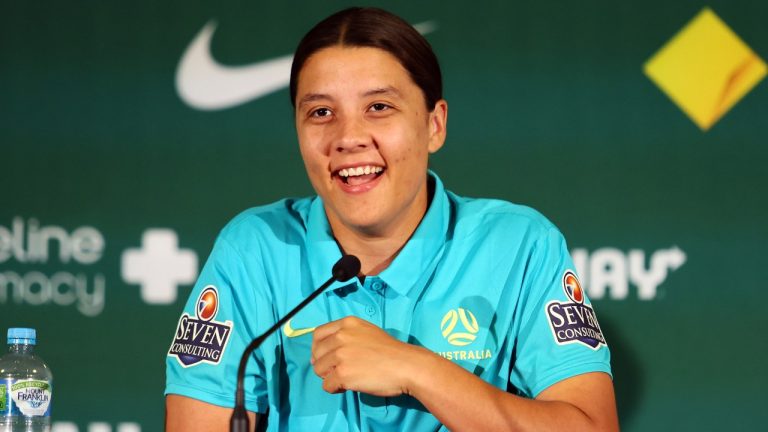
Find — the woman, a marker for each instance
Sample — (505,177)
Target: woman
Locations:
(466,314)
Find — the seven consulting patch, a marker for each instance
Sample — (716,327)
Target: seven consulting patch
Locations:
(574,321)
(201,338)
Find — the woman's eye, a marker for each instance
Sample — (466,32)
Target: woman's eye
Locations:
(379,107)
(321,112)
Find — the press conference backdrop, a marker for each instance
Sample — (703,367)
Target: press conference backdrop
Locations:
(131,133)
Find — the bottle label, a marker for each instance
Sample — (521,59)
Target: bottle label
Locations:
(3,399)
(25,397)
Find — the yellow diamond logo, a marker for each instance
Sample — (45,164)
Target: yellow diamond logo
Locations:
(705,69)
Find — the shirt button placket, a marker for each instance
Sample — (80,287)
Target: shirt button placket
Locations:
(374,309)
(375,406)
(370,310)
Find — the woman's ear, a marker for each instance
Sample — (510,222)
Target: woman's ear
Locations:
(438,121)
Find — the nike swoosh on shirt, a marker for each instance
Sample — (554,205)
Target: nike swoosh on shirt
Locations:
(291,332)
(207,85)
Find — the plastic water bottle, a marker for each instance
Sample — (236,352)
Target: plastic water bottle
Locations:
(25,385)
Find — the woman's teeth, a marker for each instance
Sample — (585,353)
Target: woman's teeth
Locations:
(359,175)
(361,170)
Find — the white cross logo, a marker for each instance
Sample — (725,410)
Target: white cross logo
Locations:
(159,266)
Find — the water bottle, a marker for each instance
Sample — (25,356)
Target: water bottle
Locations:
(25,385)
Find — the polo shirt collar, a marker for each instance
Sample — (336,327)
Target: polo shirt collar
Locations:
(322,250)
(410,268)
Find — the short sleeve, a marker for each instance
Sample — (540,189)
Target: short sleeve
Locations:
(227,308)
(558,334)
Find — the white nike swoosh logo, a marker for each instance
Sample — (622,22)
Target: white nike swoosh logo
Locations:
(204,84)
(291,332)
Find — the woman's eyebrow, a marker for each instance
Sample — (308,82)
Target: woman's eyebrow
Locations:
(379,91)
(385,91)
(312,97)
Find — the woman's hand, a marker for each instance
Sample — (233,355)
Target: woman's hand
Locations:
(353,354)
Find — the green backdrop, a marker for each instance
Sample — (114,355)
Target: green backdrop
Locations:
(549,106)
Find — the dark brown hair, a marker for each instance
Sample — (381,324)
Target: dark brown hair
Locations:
(375,28)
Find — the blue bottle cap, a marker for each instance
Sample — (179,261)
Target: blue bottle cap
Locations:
(25,336)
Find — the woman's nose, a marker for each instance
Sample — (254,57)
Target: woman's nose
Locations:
(353,136)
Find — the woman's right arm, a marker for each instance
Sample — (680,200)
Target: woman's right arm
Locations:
(189,415)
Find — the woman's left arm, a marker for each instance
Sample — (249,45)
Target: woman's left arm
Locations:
(353,354)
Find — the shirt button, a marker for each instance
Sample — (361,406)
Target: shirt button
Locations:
(377,286)
(370,310)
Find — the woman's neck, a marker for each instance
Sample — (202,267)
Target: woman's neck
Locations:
(377,248)
(375,254)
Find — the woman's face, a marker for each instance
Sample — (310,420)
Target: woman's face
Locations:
(365,136)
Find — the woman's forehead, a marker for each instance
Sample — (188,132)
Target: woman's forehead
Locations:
(361,69)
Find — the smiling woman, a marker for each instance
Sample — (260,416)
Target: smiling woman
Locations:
(359,110)
(387,350)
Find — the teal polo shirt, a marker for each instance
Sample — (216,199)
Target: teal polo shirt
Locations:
(483,283)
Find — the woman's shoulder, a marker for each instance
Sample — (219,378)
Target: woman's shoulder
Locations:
(279,221)
(493,214)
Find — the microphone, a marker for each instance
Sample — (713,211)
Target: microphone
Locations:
(345,269)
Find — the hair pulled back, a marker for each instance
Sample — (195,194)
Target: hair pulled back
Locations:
(374,28)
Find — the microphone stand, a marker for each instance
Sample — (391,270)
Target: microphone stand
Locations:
(345,268)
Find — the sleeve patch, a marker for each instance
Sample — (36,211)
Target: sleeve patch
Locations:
(573,321)
(201,338)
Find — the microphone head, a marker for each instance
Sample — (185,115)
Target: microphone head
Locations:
(346,268)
